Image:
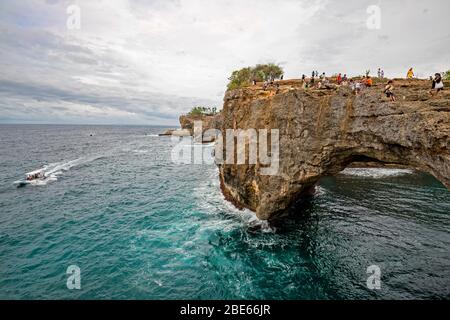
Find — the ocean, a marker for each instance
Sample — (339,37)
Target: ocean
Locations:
(139,226)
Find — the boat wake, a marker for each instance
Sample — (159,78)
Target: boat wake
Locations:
(375,173)
(53,171)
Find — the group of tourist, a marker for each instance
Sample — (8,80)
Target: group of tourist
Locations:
(317,81)
(321,82)
(359,85)
(437,85)
(341,79)
(269,82)
(35,176)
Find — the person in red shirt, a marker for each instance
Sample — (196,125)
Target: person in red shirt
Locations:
(339,78)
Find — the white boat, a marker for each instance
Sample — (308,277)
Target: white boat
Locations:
(34,177)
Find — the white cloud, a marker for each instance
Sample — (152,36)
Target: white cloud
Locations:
(153,60)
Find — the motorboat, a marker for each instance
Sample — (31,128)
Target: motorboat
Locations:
(34,177)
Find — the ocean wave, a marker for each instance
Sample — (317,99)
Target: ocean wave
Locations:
(376,172)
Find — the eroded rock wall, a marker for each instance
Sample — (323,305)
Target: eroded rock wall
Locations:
(208,122)
(321,131)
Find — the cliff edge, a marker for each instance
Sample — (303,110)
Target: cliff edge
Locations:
(208,121)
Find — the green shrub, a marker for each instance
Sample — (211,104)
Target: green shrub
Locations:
(446,75)
(199,111)
(196,111)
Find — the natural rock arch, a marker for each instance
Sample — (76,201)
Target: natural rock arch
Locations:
(323,131)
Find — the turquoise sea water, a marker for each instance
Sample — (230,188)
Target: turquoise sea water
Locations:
(142,227)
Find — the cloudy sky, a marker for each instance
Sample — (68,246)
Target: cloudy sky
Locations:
(145,62)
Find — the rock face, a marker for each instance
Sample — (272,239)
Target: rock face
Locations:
(208,122)
(322,131)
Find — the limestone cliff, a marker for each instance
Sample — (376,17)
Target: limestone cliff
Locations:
(322,131)
(208,122)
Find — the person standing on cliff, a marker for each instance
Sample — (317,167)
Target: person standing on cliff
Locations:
(345,79)
(437,84)
(305,85)
(410,73)
(389,90)
(339,78)
(353,86)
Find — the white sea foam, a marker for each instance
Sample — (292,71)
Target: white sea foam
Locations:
(320,191)
(212,200)
(376,172)
(140,151)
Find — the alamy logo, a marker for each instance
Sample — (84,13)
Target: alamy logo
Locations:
(74,20)
(74,279)
(374,19)
(239,147)
(374,280)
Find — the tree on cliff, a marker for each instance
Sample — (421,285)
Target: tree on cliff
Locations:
(198,111)
(446,75)
(261,72)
